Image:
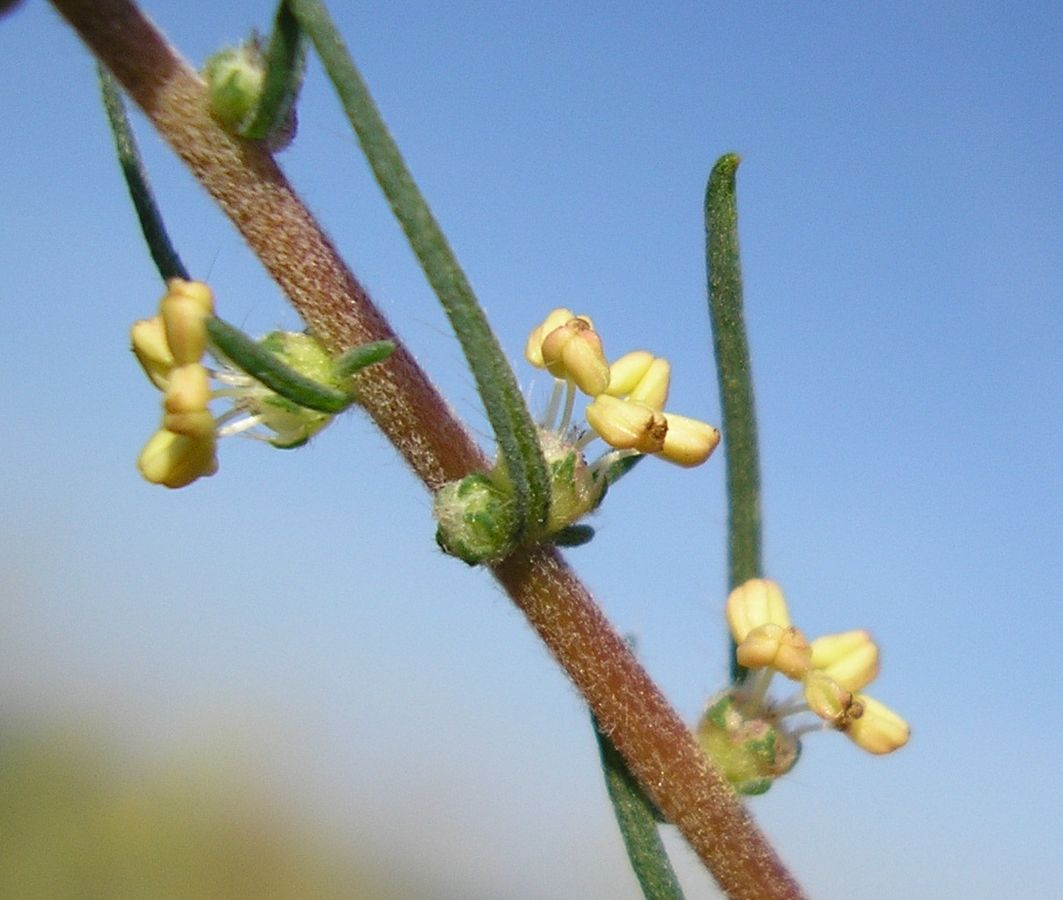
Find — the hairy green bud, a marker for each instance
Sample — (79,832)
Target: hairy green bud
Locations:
(476,519)
(750,750)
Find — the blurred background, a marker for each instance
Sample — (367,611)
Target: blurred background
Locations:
(273,684)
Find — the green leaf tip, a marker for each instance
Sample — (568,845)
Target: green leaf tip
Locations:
(357,358)
(273,118)
(573,536)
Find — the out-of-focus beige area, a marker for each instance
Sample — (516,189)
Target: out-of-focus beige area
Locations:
(77,821)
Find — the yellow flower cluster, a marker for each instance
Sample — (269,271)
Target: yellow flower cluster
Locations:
(628,397)
(170,347)
(832,669)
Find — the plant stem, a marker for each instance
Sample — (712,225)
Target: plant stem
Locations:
(658,748)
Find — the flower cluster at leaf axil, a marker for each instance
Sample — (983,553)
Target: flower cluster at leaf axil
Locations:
(171,347)
(750,736)
(475,514)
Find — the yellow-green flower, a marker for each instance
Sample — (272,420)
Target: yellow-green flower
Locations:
(170,348)
(832,669)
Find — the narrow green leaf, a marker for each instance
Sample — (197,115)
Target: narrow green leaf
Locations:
(514,429)
(263,366)
(285,62)
(734,375)
(357,358)
(162,252)
(635,815)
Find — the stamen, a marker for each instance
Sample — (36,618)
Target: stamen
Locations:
(547,421)
(791,708)
(750,696)
(238,427)
(801,730)
(570,399)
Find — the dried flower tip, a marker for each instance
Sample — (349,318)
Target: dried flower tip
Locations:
(753,603)
(627,425)
(850,658)
(785,650)
(689,442)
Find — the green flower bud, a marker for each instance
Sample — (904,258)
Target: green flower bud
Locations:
(575,489)
(476,519)
(235,78)
(751,751)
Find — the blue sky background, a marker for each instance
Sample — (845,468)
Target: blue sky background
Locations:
(901,210)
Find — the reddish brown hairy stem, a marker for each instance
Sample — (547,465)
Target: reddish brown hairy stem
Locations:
(252,191)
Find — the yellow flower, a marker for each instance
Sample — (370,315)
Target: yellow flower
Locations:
(533,350)
(574,351)
(640,376)
(772,646)
(152,351)
(634,402)
(832,669)
(170,347)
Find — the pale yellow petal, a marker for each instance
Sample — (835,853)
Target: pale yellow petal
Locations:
(627,425)
(627,372)
(652,388)
(151,350)
(879,730)
(756,602)
(185,310)
(533,350)
(175,461)
(689,442)
(851,658)
(785,650)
